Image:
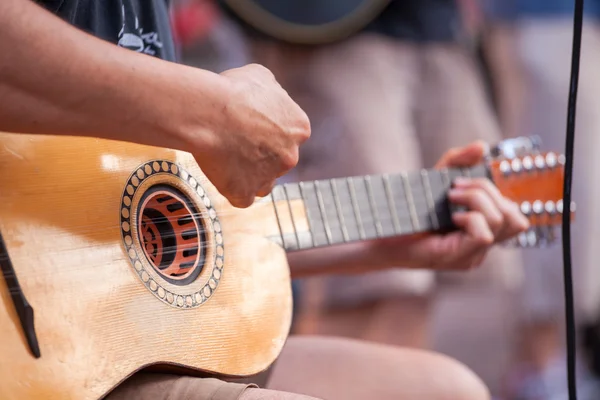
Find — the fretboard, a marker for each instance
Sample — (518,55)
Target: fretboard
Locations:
(345,210)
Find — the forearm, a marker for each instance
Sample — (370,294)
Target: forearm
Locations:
(55,79)
(355,258)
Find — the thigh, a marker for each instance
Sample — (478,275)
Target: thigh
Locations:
(453,108)
(335,368)
(150,386)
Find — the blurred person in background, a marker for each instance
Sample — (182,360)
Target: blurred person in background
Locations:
(390,98)
(529,45)
(205,39)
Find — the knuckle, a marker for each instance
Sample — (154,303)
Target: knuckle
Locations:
(453,152)
(259,68)
(496,220)
(244,202)
(478,195)
(486,240)
(305,127)
(289,160)
(484,182)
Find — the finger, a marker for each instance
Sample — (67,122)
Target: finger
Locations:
(241,201)
(266,189)
(472,260)
(514,221)
(478,235)
(467,156)
(477,199)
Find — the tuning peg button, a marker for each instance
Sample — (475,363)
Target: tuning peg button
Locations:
(505,167)
(528,163)
(516,165)
(550,207)
(538,207)
(540,162)
(532,238)
(526,208)
(559,206)
(551,160)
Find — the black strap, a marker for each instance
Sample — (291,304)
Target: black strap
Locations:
(566,227)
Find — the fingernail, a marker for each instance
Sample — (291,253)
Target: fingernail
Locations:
(461,180)
(454,192)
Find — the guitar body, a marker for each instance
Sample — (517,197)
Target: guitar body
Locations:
(116,257)
(307,21)
(71,218)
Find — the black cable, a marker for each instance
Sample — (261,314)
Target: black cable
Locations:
(566,218)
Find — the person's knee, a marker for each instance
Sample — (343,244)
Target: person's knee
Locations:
(453,380)
(336,368)
(263,394)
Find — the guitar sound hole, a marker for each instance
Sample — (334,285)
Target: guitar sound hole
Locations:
(172,235)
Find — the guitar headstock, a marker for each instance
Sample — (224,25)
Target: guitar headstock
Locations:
(534,180)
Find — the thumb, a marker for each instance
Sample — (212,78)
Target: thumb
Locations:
(464,156)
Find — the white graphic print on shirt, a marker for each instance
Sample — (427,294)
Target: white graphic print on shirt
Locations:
(134,38)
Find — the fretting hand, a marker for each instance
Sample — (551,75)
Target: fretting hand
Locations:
(491,218)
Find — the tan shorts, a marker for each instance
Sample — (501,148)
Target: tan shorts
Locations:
(150,386)
(379,105)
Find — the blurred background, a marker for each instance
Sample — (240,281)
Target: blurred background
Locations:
(390,86)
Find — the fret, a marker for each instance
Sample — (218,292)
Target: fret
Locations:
(330,212)
(315,225)
(338,210)
(350,224)
(382,206)
(376,220)
(411,203)
(440,183)
(391,204)
(322,212)
(446,178)
(351,188)
(401,204)
(479,171)
(297,227)
(286,193)
(275,198)
(363,204)
(430,201)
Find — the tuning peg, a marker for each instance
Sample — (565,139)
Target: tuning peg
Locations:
(537,237)
(516,147)
(559,206)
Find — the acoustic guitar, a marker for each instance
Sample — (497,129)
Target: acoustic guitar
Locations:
(307,21)
(117,257)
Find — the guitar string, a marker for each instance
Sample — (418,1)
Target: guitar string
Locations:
(205,215)
(367,218)
(85,266)
(79,231)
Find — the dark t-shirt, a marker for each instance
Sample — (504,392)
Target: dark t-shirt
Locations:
(139,25)
(420,21)
(412,20)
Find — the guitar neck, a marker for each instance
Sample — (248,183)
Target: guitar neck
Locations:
(344,210)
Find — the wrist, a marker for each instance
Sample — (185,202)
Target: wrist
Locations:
(186,111)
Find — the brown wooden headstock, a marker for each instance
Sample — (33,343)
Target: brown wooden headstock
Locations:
(535,182)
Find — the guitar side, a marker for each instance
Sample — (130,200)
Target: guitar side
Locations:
(101,311)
